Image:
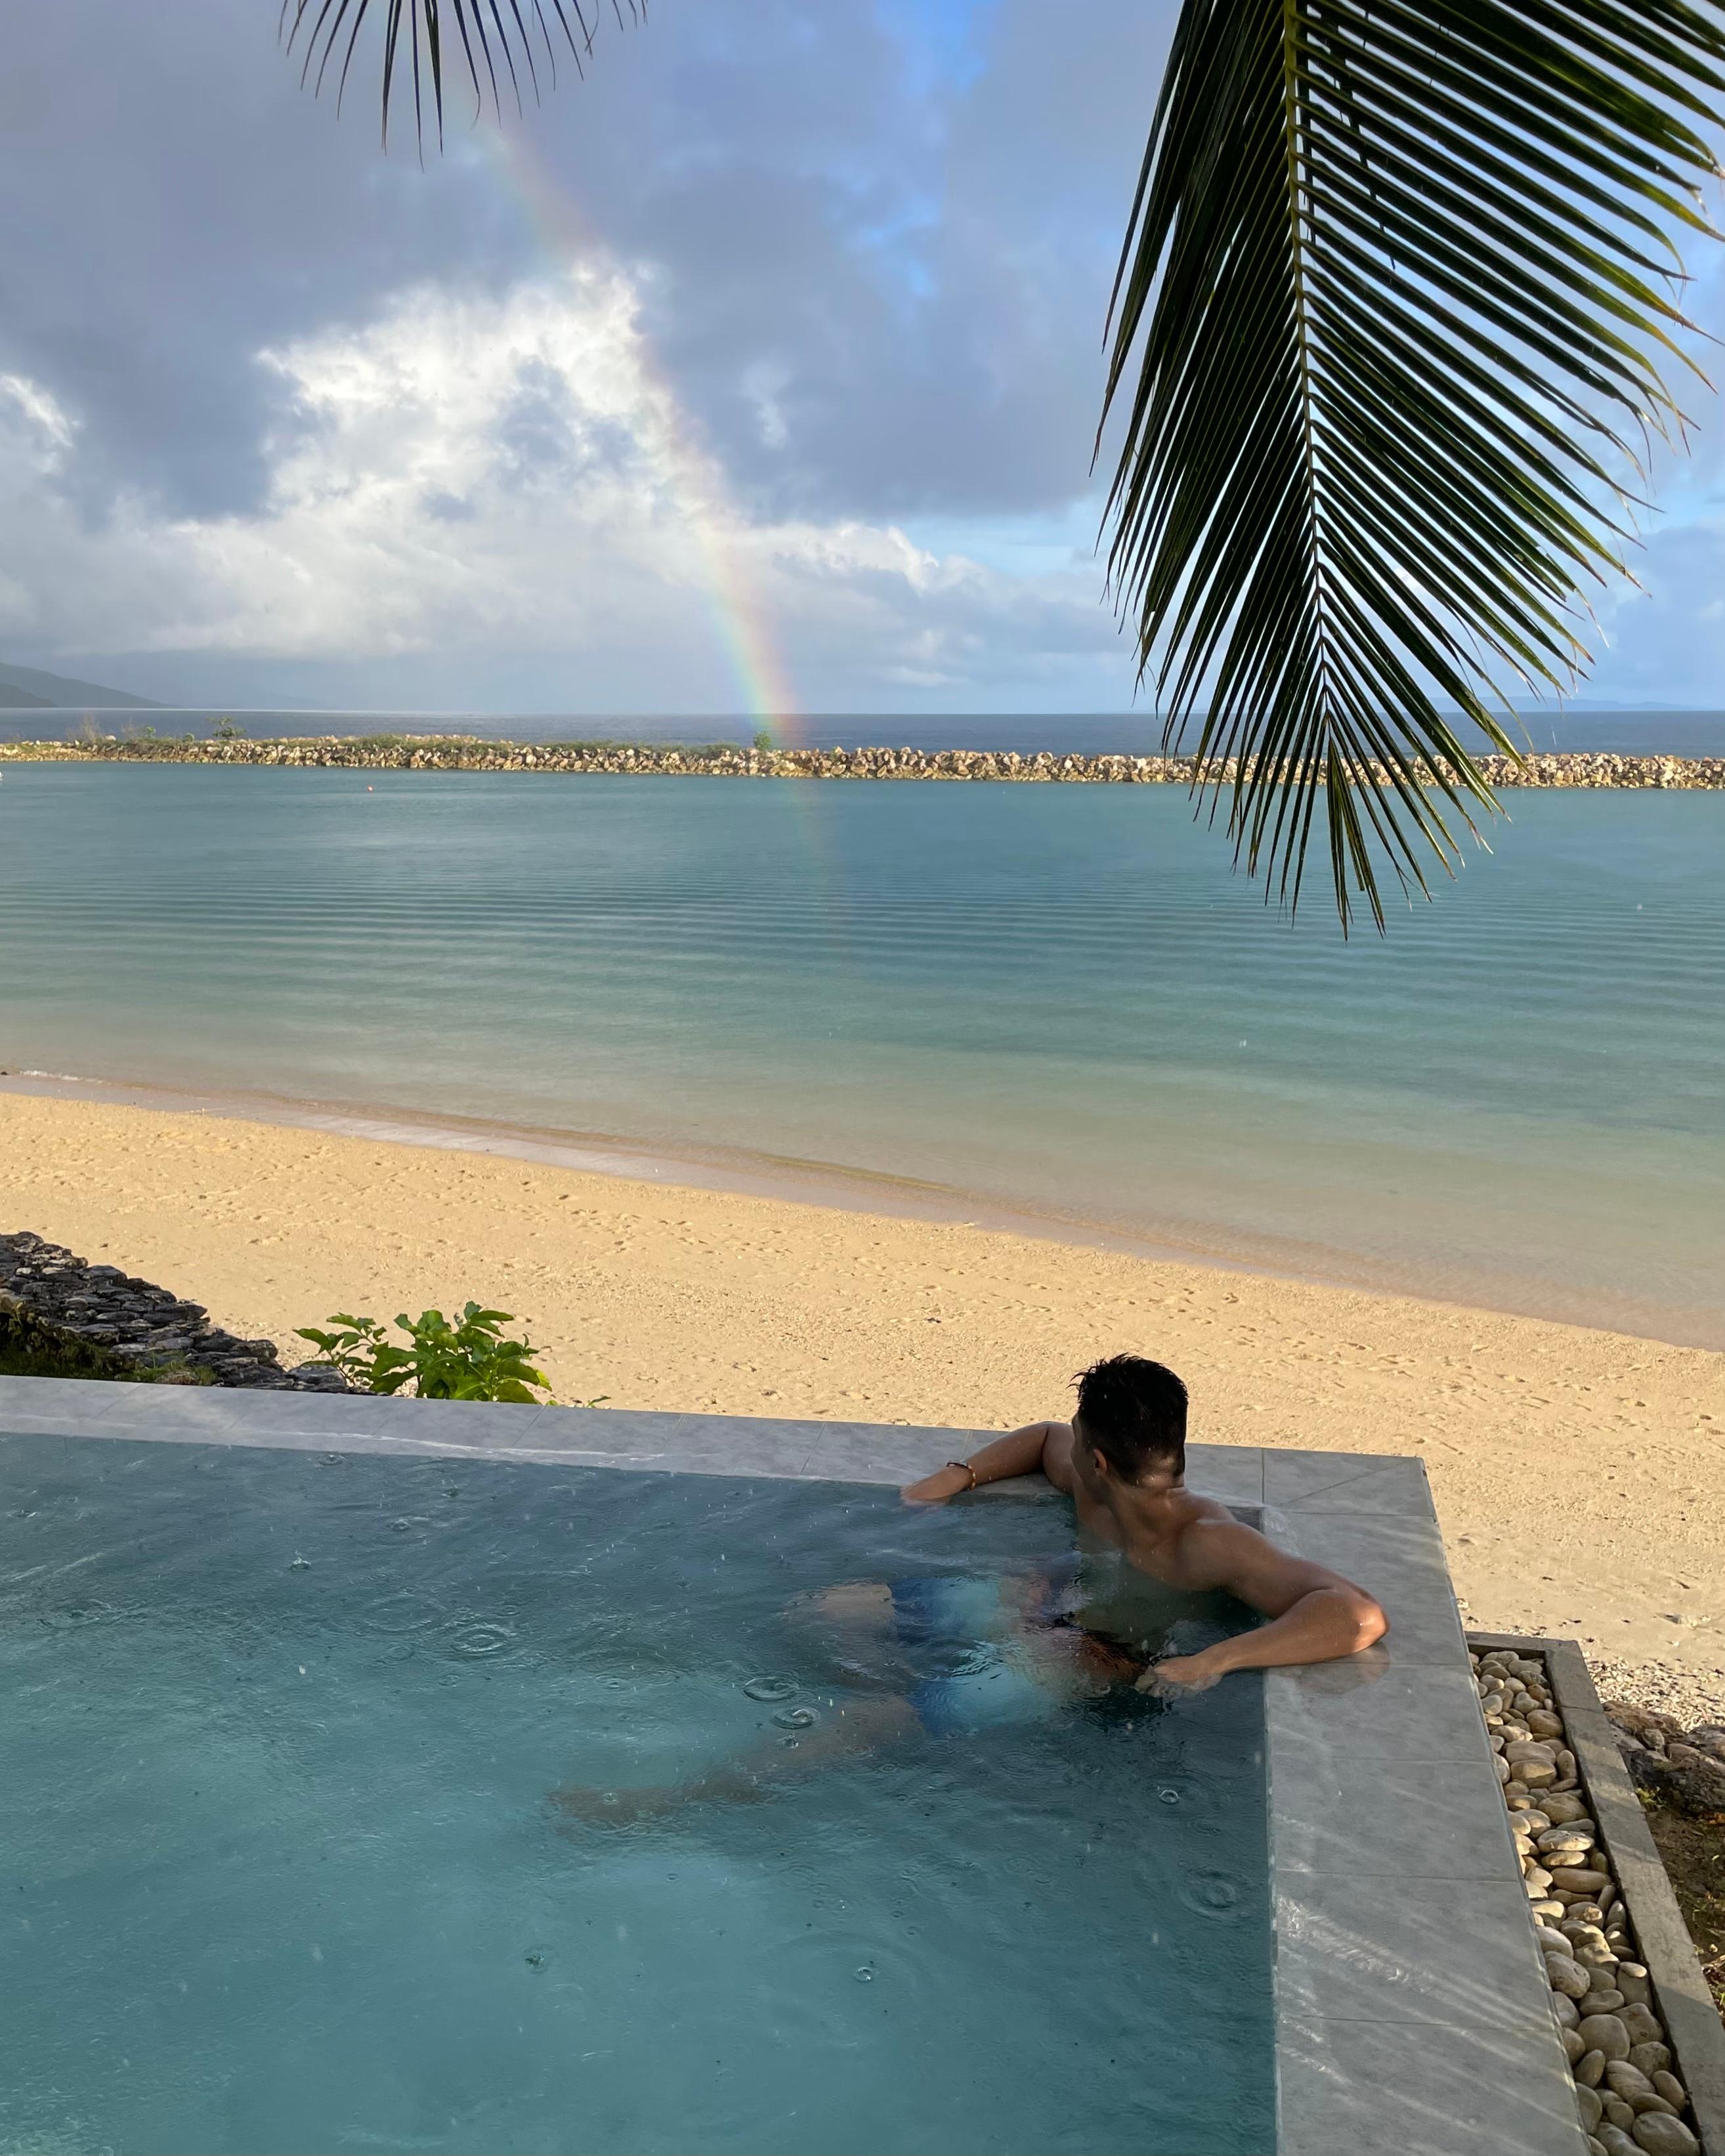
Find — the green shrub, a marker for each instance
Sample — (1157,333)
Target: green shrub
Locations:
(763,740)
(467,1360)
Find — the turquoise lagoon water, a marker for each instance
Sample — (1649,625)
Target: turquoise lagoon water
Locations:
(1055,1002)
(282,1871)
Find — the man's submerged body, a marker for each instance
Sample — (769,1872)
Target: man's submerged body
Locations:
(1191,1544)
(1067,1632)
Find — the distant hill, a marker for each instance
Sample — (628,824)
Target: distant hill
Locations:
(29,689)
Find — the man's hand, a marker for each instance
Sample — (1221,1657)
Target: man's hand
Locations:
(1180,1676)
(936,1488)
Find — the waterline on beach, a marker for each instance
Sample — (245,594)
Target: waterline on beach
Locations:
(828,1184)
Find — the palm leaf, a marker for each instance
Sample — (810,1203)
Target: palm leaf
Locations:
(1398,285)
(494,48)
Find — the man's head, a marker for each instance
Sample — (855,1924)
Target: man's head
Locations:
(1132,1412)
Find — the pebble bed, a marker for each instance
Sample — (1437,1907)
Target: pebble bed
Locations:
(457,752)
(1631,2104)
(132,1324)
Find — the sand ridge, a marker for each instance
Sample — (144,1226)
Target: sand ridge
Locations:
(1579,1474)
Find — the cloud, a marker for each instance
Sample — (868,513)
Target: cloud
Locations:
(467,478)
(862,252)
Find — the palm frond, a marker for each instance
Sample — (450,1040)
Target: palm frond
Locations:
(1398,282)
(492,49)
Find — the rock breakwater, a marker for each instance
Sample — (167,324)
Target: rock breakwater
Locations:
(724,760)
(112,1325)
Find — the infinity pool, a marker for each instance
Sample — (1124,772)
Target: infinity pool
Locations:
(325,1830)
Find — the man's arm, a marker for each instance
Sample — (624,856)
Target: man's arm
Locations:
(1045,1445)
(1315,1614)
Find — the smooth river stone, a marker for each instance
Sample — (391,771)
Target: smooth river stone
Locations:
(1660,2136)
(1563,1810)
(1590,2070)
(1574,2046)
(1628,2082)
(1667,2084)
(1550,1941)
(1615,2142)
(1566,1975)
(1591,2109)
(1601,2002)
(1567,2014)
(1578,1882)
(1652,2058)
(1632,1980)
(1605,2032)
(1644,2026)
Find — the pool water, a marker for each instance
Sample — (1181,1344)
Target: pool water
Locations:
(284,1870)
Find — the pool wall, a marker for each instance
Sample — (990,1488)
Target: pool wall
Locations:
(1412,2014)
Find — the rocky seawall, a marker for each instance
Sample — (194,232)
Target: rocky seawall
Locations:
(457,752)
(114,1325)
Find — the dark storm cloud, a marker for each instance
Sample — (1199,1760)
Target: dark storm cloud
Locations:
(878,239)
(175,205)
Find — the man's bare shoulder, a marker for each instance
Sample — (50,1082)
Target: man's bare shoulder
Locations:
(1057,1454)
(1218,1551)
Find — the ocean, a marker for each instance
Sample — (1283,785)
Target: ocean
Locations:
(1047,1006)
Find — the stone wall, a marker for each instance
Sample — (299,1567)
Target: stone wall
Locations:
(457,752)
(118,1324)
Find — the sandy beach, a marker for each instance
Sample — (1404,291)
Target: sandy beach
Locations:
(1579,1474)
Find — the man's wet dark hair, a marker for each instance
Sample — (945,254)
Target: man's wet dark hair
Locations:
(1134,1413)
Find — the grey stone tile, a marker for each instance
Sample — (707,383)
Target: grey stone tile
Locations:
(1361,1947)
(57,1402)
(1375,1706)
(735,1445)
(604,1430)
(205,1413)
(1346,1482)
(462,1422)
(1399,1560)
(885,1452)
(18,1422)
(1371,2088)
(1234,1473)
(1427,1819)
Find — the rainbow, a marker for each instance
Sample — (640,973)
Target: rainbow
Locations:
(741,625)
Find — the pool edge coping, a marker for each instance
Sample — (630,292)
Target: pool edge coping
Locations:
(1371,1513)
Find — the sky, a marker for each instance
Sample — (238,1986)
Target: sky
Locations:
(757,371)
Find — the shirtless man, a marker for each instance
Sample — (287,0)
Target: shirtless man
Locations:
(1069,1630)
(1123,1461)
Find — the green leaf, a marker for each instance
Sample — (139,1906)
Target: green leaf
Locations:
(1386,342)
